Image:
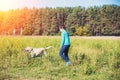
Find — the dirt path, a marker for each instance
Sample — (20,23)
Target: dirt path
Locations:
(99,37)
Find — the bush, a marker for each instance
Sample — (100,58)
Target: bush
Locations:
(83,31)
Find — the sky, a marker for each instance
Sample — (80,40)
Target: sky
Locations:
(15,4)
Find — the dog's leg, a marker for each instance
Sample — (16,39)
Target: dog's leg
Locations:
(39,57)
(32,55)
(45,53)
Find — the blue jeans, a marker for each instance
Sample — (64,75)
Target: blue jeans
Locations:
(64,52)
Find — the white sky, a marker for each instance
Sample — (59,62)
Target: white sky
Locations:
(14,4)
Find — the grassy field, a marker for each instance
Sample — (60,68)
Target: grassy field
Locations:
(92,58)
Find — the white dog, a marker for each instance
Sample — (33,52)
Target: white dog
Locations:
(34,52)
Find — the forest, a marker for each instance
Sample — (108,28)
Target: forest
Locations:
(92,21)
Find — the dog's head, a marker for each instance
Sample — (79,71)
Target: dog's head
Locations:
(28,49)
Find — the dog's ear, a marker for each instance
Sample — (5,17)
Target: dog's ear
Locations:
(31,48)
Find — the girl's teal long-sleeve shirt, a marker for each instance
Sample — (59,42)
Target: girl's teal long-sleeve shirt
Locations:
(65,38)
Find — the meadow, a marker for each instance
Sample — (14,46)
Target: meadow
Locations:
(91,59)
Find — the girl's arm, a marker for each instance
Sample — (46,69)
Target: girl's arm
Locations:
(63,40)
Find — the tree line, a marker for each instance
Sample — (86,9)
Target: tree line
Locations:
(93,21)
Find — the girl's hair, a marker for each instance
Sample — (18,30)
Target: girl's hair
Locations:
(62,27)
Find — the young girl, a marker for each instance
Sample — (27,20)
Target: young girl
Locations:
(65,44)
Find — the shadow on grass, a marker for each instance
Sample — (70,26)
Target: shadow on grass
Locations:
(5,76)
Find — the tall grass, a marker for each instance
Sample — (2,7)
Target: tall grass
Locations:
(92,59)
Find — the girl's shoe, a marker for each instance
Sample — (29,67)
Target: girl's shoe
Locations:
(68,63)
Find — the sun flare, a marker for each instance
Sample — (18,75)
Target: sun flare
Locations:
(5,5)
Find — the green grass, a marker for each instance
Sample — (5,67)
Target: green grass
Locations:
(92,59)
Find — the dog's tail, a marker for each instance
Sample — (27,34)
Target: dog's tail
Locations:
(48,47)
